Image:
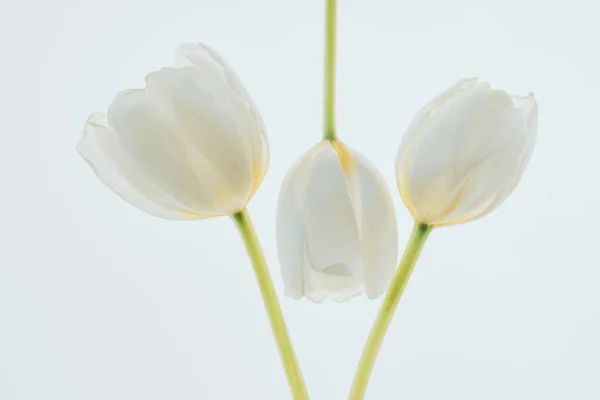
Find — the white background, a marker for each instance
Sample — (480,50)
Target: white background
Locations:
(101,301)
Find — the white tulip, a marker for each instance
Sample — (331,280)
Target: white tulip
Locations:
(191,145)
(336,227)
(465,152)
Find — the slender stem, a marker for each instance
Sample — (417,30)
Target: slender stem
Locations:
(292,370)
(329,71)
(386,312)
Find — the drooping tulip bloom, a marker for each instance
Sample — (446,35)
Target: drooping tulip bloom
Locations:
(464,153)
(336,227)
(190,145)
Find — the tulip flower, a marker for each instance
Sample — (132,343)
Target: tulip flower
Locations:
(462,155)
(465,152)
(191,145)
(336,227)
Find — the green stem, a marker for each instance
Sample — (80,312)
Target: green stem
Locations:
(292,370)
(329,71)
(386,312)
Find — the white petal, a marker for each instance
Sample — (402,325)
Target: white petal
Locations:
(317,233)
(152,138)
(490,153)
(378,231)
(208,61)
(415,126)
(331,229)
(467,155)
(209,122)
(104,153)
(210,69)
(437,162)
(530,110)
(410,139)
(194,133)
(320,287)
(291,242)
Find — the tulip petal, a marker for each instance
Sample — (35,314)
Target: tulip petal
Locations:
(378,230)
(320,287)
(152,137)
(437,161)
(209,61)
(493,150)
(210,123)
(332,235)
(194,134)
(416,124)
(466,155)
(291,244)
(407,149)
(530,112)
(209,68)
(106,156)
(317,233)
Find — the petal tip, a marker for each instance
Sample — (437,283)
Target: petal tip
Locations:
(188,54)
(95,120)
(185,49)
(374,295)
(469,83)
(524,102)
(292,295)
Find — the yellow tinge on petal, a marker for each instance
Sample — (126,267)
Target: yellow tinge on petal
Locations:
(464,153)
(190,145)
(258,176)
(345,158)
(336,227)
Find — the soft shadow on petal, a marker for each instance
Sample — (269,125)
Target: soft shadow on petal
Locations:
(332,235)
(317,234)
(104,153)
(494,149)
(467,153)
(423,114)
(411,138)
(210,124)
(523,158)
(204,57)
(211,70)
(378,231)
(291,233)
(152,137)
(436,164)
(321,287)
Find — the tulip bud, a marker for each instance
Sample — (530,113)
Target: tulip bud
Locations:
(191,145)
(336,227)
(464,153)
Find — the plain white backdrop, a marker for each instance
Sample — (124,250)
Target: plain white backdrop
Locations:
(101,301)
